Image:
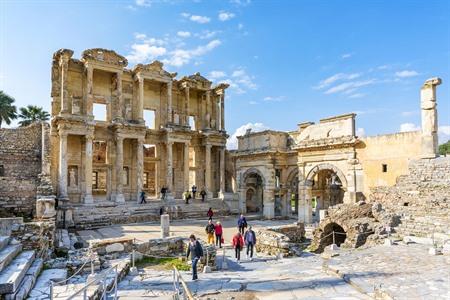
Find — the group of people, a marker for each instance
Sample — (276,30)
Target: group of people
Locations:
(192,193)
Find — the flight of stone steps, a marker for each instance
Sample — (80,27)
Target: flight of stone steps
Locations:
(18,269)
(107,213)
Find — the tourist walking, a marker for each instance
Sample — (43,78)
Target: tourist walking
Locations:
(210,214)
(219,232)
(242,224)
(163,193)
(210,229)
(238,244)
(143,197)
(187,196)
(250,241)
(194,191)
(203,194)
(196,251)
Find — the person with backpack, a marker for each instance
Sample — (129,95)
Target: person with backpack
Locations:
(143,197)
(238,244)
(242,224)
(250,241)
(196,251)
(203,195)
(210,214)
(210,229)
(219,232)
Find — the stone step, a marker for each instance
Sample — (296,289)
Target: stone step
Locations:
(8,254)
(28,281)
(4,240)
(11,277)
(41,290)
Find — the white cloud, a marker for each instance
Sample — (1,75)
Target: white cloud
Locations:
(145,52)
(408,127)
(360,132)
(140,36)
(336,77)
(180,57)
(184,34)
(274,99)
(240,26)
(206,34)
(200,19)
(349,85)
(185,15)
(409,113)
(241,78)
(346,55)
(444,130)
(357,95)
(383,67)
(225,16)
(252,102)
(217,74)
(240,2)
(232,142)
(145,3)
(406,73)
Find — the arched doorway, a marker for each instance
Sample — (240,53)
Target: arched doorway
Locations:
(253,185)
(333,232)
(292,184)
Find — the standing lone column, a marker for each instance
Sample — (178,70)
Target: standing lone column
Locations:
(139,167)
(430,144)
(119,170)
(169,102)
(186,166)
(169,174)
(88,171)
(208,170)
(62,166)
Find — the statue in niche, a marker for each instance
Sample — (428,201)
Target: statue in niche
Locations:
(125,176)
(73,177)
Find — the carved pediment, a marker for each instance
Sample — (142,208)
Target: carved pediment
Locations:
(199,78)
(154,67)
(62,52)
(105,56)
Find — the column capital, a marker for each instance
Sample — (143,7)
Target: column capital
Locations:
(90,136)
(118,138)
(63,133)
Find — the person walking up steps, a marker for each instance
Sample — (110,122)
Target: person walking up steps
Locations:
(143,197)
(210,214)
(242,224)
(250,241)
(196,251)
(219,231)
(210,229)
(238,244)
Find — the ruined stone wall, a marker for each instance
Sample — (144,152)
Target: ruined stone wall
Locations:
(38,236)
(21,158)
(280,239)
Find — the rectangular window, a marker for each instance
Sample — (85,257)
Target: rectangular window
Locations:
(94,180)
(2,170)
(99,111)
(277,178)
(149,150)
(145,180)
(192,122)
(125,176)
(384,168)
(149,118)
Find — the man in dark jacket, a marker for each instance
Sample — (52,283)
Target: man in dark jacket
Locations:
(242,224)
(250,241)
(196,251)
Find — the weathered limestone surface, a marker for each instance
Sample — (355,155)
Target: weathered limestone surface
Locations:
(280,239)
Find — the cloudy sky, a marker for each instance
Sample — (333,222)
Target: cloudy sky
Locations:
(286,61)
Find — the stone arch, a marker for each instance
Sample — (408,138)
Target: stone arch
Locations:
(249,172)
(327,166)
(252,183)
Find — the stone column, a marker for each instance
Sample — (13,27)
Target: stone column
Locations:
(222,170)
(222,112)
(119,170)
(186,105)
(430,147)
(169,102)
(208,110)
(140,99)
(169,173)
(62,180)
(89,90)
(208,170)
(64,64)
(88,170)
(118,114)
(305,197)
(165,226)
(186,166)
(218,113)
(139,167)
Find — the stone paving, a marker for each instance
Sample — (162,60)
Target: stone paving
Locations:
(404,271)
(262,278)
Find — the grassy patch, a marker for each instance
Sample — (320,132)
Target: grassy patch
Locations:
(166,263)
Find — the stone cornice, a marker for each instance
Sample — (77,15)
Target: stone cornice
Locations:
(326,144)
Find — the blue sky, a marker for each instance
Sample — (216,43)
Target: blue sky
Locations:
(287,61)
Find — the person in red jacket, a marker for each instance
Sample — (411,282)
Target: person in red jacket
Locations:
(219,231)
(210,213)
(238,244)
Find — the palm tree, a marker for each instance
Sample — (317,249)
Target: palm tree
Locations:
(31,114)
(8,111)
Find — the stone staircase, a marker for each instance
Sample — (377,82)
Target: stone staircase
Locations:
(104,214)
(422,199)
(18,269)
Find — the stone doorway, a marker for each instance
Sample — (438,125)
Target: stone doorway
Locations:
(254,193)
(339,235)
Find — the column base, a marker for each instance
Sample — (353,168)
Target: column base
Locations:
(169,199)
(120,198)
(209,195)
(88,199)
(269,210)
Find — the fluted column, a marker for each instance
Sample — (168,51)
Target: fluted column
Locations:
(88,170)
(208,169)
(186,106)
(64,64)
(186,166)
(89,90)
(169,174)
(208,110)
(62,175)
(119,170)
(222,112)
(140,99)
(118,114)
(169,102)
(222,170)
(139,167)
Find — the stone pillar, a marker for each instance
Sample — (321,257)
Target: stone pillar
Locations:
(169,174)
(165,226)
(139,167)
(88,170)
(222,112)
(208,110)
(140,99)
(64,64)
(305,197)
(119,170)
(110,175)
(222,170)
(430,144)
(218,113)
(89,91)
(186,166)
(62,176)
(186,105)
(118,114)
(169,102)
(208,170)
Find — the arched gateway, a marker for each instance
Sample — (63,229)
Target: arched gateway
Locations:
(252,190)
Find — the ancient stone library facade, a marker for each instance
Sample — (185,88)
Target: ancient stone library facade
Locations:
(116,132)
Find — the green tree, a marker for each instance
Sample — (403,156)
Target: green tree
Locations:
(444,148)
(8,111)
(31,114)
